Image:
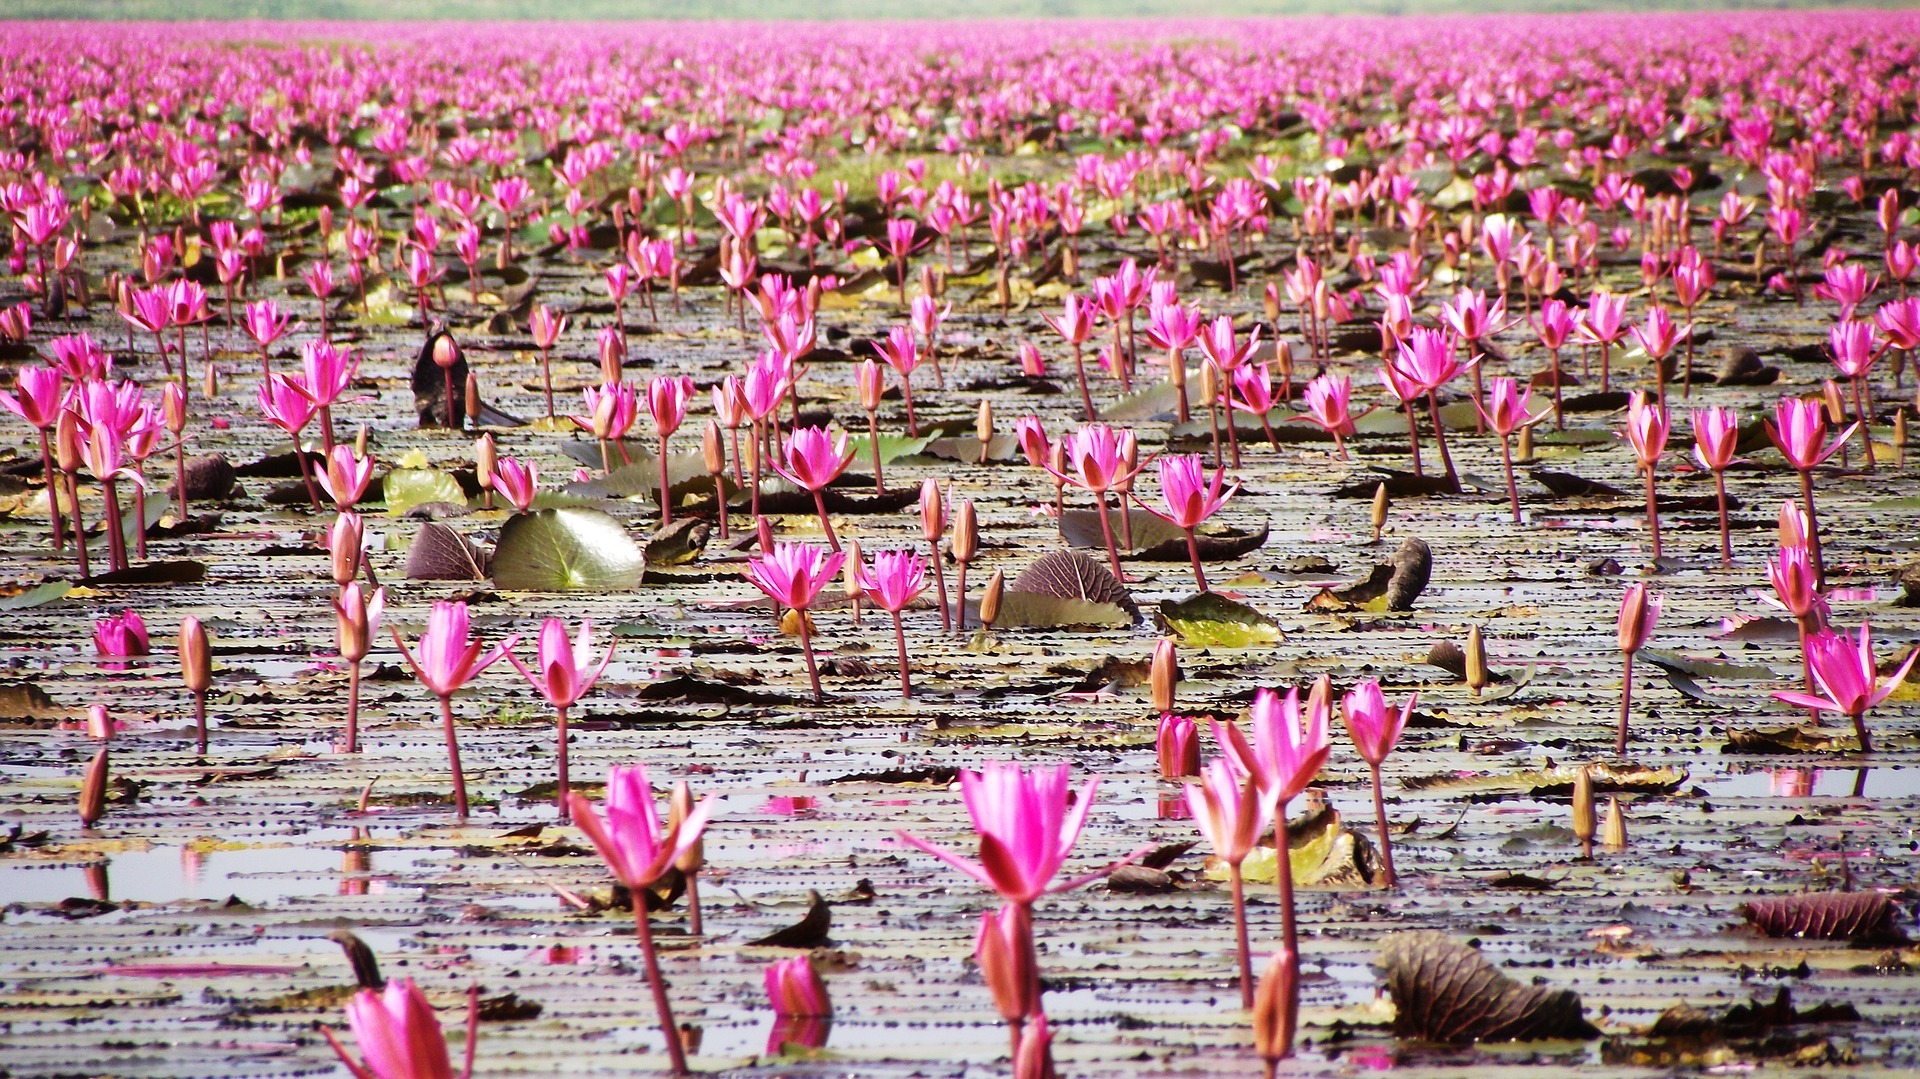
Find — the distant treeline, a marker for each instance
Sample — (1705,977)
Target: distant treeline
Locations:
(829,9)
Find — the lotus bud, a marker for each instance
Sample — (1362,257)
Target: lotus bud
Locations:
(210,382)
(713,449)
(966,533)
(872,383)
(613,356)
(1035,1057)
(472,400)
(1836,408)
(1525,448)
(763,529)
(1900,434)
(485,456)
(173,408)
(1638,612)
(1162,674)
(1209,384)
(933,512)
(990,599)
(93,790)
(1380,504)
(1177,746)
(1283,359)
(983,427)
(795,990)
(1584,824)
(1270,301)
(1273,1009)
(196,658)
(814,290)
(344,544)
(850,576)
(362,439)
(1003,949)
(1793,528)
(1613,833)
(99,723)
(1477,678)
(929,284)
(445,352)
(678,810)
(67,441)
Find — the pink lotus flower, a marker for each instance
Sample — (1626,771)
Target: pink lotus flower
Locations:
(639,850)
(37,396)
(1506,409)
(328,372)
(1075,325)
(1177,746)
(560,675)
(1375,730)
(1427,359)
(1329,397)
(1284,754)
(636,844)
(895,579)
(1027,828)
(667,404)
(1233,817)
(1096,460)
(1716,437)
(795,990)
(1647,429)
(120,636)
(814,460)
(792,575)
(346,477)
(449,657)
(1639,613)
(1800,433)
(1795,587)
(398,1034)
(1845,670)
(517,481)
(285,404)
(1191,499)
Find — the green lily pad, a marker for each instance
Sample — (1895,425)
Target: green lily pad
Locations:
(566,550)
(1210,619)
(37,596)
(1041,611)
(892,448)
(405,488)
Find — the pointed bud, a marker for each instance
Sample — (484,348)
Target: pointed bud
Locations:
(1525,448)
(196,657)
(850,573)
(362,439)
(1380,504)
(1613,834)
(1270,301)
(1209,383)
(1900,430)
(1584,824)
(93,790)
(344,544)
(1273,1004)
(1003,949)
(445,352)
(1836,408)
(990,599)
(173,408)
(763,529)
(1177,746)
(678,810)
(1163,674)
(210,382)
(872,383)
(99,723)
(983,427)
(473,399)
(933,511)
(485,456)
(1793,530)
(966,533)
(713,448)
(613,357)
(1477,677)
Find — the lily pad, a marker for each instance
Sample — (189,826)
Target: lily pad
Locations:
(1157,540)
(1212,620)
(405,488)
(566,550)
(1445,991)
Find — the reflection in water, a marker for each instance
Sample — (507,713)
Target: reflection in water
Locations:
(801,1031)
(1792,782)
(356,862)
(97,883)
(1174,807)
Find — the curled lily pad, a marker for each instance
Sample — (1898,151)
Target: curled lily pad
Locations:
(1445,991)
(1071,575)
(566,550)
(1863,916)
(439,553)
(405,488)
(1210,619)
(1323,852)
(1157,540)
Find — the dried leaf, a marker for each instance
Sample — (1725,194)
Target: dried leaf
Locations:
(809,932)
(440,553)
(1444,991)
(1073,576)
(1856,916)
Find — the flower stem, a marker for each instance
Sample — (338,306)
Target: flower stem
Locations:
(1626,703)
(1080,369)
(1506,460)
(820,503)
(676,1052)
(806,646)
(666,494)
(1289,927)
(873,437)
(1193,552)
(1106,529)
(453,758)
(1813,532)
(53,493)
(200,721)
(940,588)
(960,598)
(1240,934)
(1388,878)
(1440,437)
(900,639)
(1653,519)
(353,707)
(560,760)
(546,379)
(1726,538)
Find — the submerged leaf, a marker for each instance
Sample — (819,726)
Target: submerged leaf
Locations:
(566,550)
(405,488)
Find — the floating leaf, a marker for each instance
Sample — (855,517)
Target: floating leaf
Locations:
(1071,575)
(1038,610)
(809,932)
(678,543)
(439,553)
(1858,916)
(566,550)
(1444,991)
(1157,540)
(1556,780)
(175,571)
(37,596)
(1323,852)
(405,488)
(1210,619)
(892,448)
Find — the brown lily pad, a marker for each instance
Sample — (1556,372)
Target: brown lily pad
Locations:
(1444,991)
